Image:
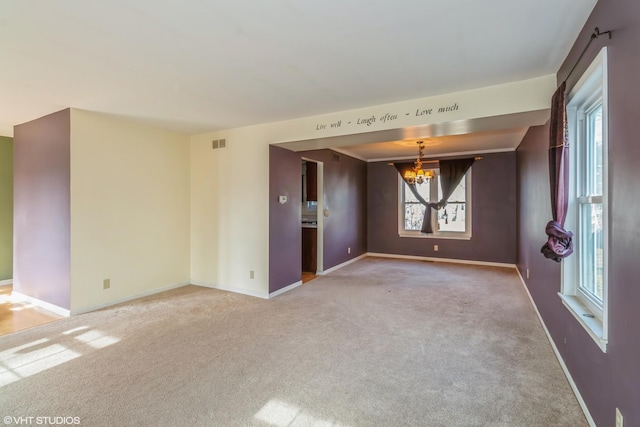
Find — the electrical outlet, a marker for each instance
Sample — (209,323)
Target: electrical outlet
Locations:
(435,248)
(251,274)
(106,283)
(348,250)
(619,419)
(527,273)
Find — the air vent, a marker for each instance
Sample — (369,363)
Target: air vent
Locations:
(218,143)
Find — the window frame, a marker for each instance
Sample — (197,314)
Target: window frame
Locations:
(437,234)
(586,96)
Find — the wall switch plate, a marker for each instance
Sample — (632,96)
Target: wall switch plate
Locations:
(106,283)
(619,419)
(251,274)
(282,199)
(527,273)
(435,248)
(348,250)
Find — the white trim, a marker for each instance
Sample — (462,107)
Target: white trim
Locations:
(591,87)
(83,310)
(6,282)
(231,289)
(415,234)
(17,296)
(436,156)
(567,374)
(285,289)
(320,217)
(593,326)
(435,259)
(320,212)
(344,264)
(437,234)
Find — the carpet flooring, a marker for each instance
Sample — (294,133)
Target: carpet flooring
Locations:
(380,342)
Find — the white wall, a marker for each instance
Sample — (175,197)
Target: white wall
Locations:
(129,209)
(229,214)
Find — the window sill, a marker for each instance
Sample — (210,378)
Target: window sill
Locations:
(592,325)
(447,236)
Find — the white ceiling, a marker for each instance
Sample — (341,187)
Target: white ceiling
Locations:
(500,140)
(206,65)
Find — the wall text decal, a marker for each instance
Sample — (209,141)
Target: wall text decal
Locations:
(387,117)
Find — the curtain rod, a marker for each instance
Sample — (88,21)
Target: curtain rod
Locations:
(596,33)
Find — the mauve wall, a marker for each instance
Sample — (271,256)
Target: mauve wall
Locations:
(345,195)
(6,208)
(41,253)
(285,232)
(612,379)
(493,214)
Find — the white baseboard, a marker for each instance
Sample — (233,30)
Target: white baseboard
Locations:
(285,289)
(231,289)
(436,259)
(6,282)
(581,402)
(17,296)
(334,268)
(83,310)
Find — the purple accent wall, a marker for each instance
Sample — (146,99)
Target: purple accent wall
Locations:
(612,379)
(285,232)
(493,214)
(345,195)
(41,265)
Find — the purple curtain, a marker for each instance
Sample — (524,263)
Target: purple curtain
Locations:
(559,243)
(451,173)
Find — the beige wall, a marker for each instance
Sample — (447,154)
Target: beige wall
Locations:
(129,209)
(229,214)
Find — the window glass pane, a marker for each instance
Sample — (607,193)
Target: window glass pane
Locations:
(591,251)
(413,215)
(594,152)
(458,194)
(452,218)
(424,190)
(413,209)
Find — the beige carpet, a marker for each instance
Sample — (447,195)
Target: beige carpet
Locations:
(377,343)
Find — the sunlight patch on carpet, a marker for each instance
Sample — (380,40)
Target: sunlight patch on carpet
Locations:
(37,356)
(282,414)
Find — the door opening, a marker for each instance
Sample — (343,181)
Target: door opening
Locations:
(312,218)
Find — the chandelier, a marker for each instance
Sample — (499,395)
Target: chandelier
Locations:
(417,175)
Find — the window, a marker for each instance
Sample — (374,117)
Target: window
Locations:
(584,280)
(453,221)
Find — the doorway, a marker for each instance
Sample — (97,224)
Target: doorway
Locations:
(312,216)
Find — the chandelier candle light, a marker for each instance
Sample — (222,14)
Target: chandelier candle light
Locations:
(417,175)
